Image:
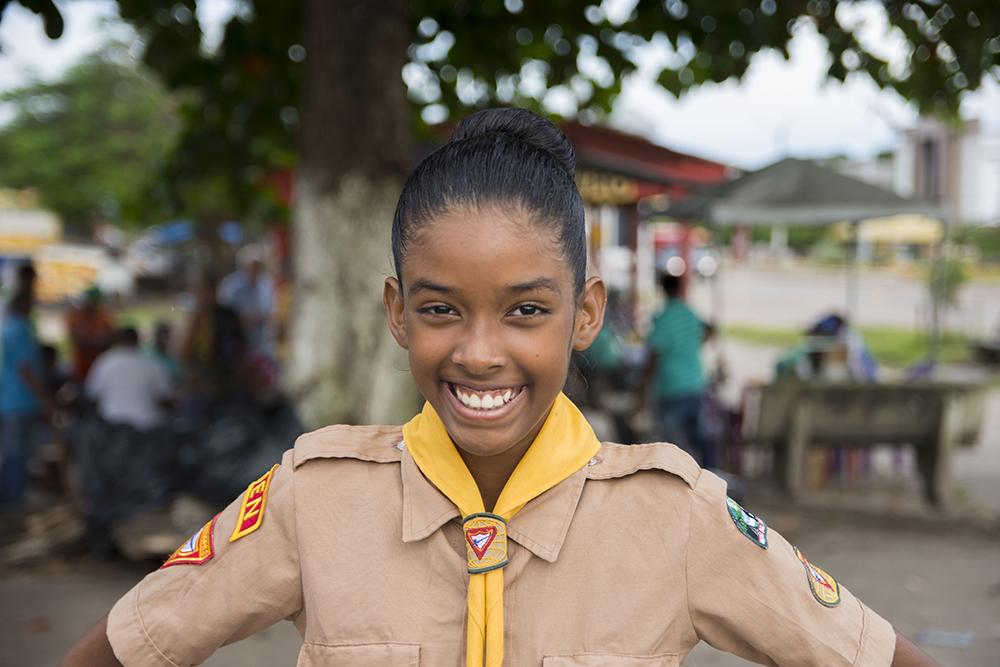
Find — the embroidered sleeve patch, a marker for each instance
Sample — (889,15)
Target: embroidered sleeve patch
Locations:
(748,524)
(486,542)
(199,548)
(252,510)
(824,587)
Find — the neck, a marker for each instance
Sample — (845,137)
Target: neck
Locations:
(492,472)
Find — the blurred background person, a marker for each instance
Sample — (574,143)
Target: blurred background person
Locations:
(91,329)
(128,386)
(54,375)
(211,350)
(161,350)
(830,350)
(23,399)
(25,279)
(674,368)
(250,292)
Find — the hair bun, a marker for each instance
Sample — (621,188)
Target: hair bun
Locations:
(523,125)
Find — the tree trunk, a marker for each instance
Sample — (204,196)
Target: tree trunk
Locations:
(355,152)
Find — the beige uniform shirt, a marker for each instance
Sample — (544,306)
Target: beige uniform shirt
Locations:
(629,562)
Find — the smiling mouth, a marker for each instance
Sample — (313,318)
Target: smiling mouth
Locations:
(484,401)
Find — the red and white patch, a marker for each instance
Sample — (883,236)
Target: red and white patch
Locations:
(480,539)
(199,548)
(486,536)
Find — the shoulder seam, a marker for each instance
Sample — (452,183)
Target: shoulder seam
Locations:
(648,456)
(373,444)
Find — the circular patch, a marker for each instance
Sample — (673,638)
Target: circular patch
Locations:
(824,587)
(486,542)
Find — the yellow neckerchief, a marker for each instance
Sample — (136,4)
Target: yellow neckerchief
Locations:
(565,444)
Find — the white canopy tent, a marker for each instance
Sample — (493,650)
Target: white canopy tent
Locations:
(799,192)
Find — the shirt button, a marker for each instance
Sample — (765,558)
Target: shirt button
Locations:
(400,445)
(593,462)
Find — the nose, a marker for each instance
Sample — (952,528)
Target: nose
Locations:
(480,350)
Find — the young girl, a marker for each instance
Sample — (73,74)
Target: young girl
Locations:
(493,528)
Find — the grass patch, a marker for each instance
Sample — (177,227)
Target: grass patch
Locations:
(145,317)
(763,335)
(895,348)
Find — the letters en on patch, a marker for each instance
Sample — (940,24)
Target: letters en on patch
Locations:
(486,542)
(199,548)
(748,524)
(824,587)
(252,510)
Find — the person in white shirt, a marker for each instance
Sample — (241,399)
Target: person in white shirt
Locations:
(128,386)
(250,292)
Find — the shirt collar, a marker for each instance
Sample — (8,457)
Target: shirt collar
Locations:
(540,527)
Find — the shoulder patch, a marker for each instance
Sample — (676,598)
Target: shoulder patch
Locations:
(198,550)
(614,460)
(752,526)
(252,509)
(378,444)
(824,587)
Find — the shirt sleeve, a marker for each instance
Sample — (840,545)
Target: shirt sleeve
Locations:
(180,614)
(17,344)
(163,383)
(93,385)
(760,603)
(657,339)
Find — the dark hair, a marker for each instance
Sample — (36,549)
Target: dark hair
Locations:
(26,272)
(671,284)
(21,302)
(509,157)
(127,336)
(50,355)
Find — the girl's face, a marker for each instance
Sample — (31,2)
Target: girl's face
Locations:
(487,312)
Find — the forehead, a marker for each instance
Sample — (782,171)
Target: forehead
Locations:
(486,245)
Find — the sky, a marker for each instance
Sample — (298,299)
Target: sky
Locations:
(780,108)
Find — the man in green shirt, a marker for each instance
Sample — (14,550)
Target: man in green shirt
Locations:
(675,363)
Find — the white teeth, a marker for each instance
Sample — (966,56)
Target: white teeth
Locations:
(485,401)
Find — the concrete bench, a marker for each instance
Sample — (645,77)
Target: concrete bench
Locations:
(932,417)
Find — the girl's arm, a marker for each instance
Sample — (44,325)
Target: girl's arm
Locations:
(94,649)
(908,655)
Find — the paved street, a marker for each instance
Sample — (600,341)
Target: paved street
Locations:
(795,297)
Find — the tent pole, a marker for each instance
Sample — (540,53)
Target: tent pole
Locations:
(938,269)
(854,277)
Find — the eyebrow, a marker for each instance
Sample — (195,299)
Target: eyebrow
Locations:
(528,286)
(536,284)
(423,284)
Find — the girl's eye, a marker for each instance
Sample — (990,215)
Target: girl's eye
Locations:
(437,309)
(528,310)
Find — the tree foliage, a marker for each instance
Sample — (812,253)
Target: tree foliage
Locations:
(239,104)
(479,53)
(91,142)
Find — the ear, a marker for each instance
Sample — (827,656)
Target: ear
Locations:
(590,313)
(392,297)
